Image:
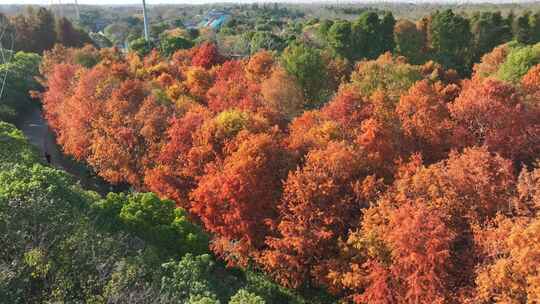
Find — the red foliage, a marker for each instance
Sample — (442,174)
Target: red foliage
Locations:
(206,56)
(421,243)
(425,117)
(493,113)
(387,194)
(232,89)
(237,197)
(320,203)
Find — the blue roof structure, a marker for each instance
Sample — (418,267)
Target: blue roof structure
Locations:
(215,19)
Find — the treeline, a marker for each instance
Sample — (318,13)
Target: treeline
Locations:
(37,30)
(453,40)
(410,185)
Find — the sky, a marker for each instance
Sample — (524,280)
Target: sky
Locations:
(109,2)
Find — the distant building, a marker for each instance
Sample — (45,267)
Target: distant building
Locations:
(215,19)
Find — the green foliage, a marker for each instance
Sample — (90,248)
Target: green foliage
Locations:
(156,221)
(340,38)
(264,40)
(367,37)
(14,148)
(245,297)
(451,40)
(489,30)
(21,70)
(141,46)
(46,254)
(70,36)
(522,29)
(306,64)
(61,244)
(518,62)
(410,41)
(534,22)
(169,45)
(270,292)
(87,56)
(387,75)
(190,277)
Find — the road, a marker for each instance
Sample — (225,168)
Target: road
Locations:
(40,135)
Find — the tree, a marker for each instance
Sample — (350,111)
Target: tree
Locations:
(391,75)
(421,245)
(307,66)
(320,203)
(232,89)
(387,25)
(282,94)
(238,198)
(489,29)
(373,35)
(44,33)
(491,62)
(410,41)
(425,117)
(206,55)
(172,179)
(244,296)
(522,29)
(169,45)
(510,275)
(264,40)
(492,113)
(69,36)
(19,72)
(189,278)
(15,148)
(121,137)
(339,37)
(518,61)
(141,46)
(156,221)
(451,40)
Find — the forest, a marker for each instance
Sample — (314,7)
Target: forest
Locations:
(280,158)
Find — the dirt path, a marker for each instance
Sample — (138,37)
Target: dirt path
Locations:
(38,133)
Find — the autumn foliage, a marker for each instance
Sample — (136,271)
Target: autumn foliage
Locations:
(409,186)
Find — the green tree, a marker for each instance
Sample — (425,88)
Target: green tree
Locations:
(410,41)
(306,64)
(14,148)
(489,29)
(522,29)
(373,35)
(264,40)
(387,25)
(340,39)
(188,278)
(451,40)
(20,74)
(245,297)
(156,221)
(44,30)
(169,45)
(534,22)
(141,46)
(518,62)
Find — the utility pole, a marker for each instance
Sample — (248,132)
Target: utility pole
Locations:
(77,11)
(145,17)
